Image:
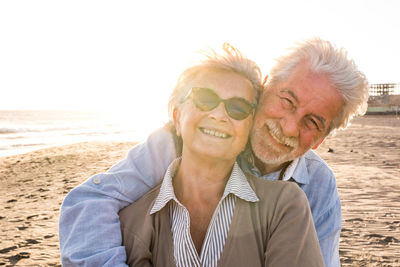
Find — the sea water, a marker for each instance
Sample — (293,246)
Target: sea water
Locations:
(23,131)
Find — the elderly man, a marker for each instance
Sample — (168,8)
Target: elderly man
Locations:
(311,91)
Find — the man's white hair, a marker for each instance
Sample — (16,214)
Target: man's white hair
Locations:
(325,58)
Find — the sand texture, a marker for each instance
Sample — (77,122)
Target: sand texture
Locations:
(365,158)
(366,162)
(33,186)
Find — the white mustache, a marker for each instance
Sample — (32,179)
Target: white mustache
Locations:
(277,134)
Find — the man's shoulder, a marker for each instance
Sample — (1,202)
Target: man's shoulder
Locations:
(313,158)
(321,190)
(160,145)
(316,167)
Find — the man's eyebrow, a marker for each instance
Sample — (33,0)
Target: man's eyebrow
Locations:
(290,92)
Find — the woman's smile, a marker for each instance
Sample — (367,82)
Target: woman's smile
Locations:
(215,133)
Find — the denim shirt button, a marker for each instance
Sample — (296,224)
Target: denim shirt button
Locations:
(96,180)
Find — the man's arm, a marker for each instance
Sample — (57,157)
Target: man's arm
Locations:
(328,228)
(89,228)
(325,205)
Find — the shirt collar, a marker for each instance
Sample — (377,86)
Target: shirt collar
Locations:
(297,169)
(237,184)
(300,173)
(290,170)
(166,190)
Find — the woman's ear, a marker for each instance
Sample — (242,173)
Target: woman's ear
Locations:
(176,117)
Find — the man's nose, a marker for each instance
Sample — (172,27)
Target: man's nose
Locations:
(219,113)
(290,125)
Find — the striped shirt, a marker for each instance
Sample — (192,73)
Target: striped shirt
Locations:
(185,253)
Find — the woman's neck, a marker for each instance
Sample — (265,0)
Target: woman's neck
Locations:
(199,184)
(201,178)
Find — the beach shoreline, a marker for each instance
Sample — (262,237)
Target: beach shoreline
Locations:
(365,159)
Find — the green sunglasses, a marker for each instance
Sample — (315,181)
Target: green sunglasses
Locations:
(207,99)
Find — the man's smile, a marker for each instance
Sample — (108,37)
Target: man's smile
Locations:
(276,134)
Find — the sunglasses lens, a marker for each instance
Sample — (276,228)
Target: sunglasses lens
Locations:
(205,99)
(237,108)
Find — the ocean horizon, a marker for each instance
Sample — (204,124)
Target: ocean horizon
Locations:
(23,131)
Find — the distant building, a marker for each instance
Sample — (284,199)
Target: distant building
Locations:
(384,98)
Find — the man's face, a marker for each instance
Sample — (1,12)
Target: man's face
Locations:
(294,116)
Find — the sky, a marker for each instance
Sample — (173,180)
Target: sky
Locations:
(125,56)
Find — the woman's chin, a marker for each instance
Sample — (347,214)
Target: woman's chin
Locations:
(213,153)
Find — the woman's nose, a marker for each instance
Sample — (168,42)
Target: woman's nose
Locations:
(219,113)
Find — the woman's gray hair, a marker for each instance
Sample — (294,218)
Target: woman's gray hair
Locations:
(231,59)
(325,58)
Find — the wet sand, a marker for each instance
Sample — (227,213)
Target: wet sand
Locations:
(365,158)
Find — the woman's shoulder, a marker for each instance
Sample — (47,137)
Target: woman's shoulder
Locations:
(138,212)
(274,190)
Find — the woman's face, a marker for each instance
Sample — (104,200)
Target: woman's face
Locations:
(214,134)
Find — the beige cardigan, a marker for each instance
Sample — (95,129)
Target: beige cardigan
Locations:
(276,231)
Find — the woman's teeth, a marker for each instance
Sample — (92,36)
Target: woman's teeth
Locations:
(214,133)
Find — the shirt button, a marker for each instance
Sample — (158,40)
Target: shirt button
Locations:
(96,180)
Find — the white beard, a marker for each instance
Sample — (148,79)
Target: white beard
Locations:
(269,153)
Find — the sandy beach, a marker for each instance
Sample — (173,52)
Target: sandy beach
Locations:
(365,159)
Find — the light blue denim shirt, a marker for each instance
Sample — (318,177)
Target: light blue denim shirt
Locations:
(89,228)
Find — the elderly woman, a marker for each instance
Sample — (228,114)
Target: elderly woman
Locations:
(207,212)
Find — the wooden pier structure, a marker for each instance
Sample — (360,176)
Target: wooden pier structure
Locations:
(384,98)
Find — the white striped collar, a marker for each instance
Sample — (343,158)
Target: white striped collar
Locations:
(237,185)
(166,190)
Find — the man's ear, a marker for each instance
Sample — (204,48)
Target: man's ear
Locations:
(317,144)
(176,117)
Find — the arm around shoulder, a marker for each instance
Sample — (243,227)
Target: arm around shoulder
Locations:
(89,226)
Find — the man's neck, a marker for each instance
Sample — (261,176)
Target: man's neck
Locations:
(268,168)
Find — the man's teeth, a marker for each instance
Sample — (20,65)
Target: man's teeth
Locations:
(214,133)
(274,132)
(276,138)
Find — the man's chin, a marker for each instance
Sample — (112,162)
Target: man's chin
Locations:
(275,161)
(271,159)
(267,154)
